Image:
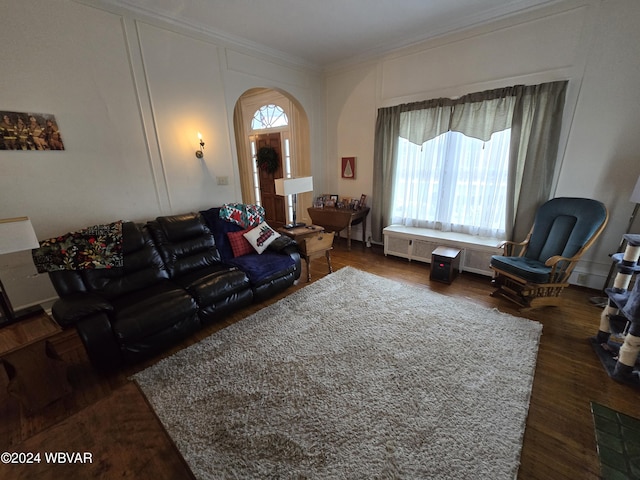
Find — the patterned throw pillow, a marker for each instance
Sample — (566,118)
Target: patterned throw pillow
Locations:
(261,236)
(239,244)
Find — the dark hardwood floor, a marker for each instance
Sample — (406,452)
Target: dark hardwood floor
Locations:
(559,441)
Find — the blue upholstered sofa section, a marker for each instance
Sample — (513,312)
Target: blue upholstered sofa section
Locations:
(259,268)
(561,227)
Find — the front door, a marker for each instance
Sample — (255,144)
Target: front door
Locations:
(273,204)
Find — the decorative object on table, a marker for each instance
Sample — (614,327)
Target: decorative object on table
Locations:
(363,200)
(267,159)
(16,235)
(349,167)
(29,131)
(293,186)
(340,378)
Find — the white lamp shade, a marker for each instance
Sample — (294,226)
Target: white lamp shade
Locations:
(16,234)
(291,186)
(635,196)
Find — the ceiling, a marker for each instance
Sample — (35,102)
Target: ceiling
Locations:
(326,33)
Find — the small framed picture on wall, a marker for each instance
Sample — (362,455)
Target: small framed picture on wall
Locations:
(349,167)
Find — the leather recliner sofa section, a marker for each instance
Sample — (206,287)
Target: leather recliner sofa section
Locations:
(172,283)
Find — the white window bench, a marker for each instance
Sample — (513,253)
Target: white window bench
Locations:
(415,243)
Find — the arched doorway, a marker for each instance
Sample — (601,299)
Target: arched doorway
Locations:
(267,117)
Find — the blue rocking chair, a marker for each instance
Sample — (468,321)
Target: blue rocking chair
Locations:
(533,273)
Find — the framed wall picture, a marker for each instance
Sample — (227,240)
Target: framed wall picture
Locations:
(349,167)
(29,131)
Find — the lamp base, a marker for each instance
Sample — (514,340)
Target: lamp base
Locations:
(294,225)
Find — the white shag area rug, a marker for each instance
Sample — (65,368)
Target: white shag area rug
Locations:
(353,377)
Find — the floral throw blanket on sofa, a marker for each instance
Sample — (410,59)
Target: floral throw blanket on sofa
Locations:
(94,247)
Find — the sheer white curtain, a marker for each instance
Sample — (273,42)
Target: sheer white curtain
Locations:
(452,166)
(453,183)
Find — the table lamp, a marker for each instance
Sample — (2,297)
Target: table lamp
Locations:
(293,186)
(16,235)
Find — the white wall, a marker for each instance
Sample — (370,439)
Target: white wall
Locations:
(129,95)
(602,158)
(593,44)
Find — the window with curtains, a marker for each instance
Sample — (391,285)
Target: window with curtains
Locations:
(452,166)
(453,183)
(478,164)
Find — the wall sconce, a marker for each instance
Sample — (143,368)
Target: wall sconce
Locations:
(200,153)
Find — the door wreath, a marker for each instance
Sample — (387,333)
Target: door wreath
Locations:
(267,159)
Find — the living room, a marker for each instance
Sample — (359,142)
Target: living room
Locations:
(131,89)
(133,112)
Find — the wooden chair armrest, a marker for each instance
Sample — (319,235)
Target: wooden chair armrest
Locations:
(504,243)
(557,258)
(561,267)
(510,247)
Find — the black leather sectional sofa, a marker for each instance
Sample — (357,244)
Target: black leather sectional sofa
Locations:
(179,274)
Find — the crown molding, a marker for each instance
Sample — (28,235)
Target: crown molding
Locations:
(123,7)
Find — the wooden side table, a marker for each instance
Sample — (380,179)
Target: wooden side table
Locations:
(337,219)
(313,242)
(37,375)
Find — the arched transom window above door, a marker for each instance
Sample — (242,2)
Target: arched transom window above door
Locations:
(269,116)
